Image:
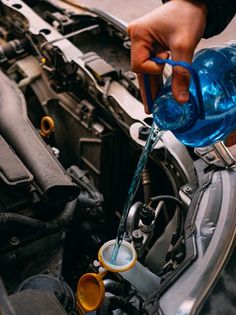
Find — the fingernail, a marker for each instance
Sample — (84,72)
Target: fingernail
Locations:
(183,96)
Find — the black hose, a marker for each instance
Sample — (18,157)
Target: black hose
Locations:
(85,183)
(86,187)
(175,248)
(63,218)
(167,198)
(85,202)
(179,223)
(14,217)
(113,286)
(112,303)
(81,179)
(54,224)
(82,185)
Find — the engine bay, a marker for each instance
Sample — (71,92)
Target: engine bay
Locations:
(72,128)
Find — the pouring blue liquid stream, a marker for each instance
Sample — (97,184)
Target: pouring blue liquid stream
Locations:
(152,139)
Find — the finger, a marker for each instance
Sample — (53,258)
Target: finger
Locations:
(155,82)
(141,49)
(181,76)
(140,59)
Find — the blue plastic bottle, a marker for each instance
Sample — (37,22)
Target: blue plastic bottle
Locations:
(210,114)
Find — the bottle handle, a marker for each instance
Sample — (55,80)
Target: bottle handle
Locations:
(196,80)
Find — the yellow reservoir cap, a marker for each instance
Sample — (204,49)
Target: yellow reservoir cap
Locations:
(90,292)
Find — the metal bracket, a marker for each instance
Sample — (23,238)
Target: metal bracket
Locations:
(217,154)
(99,68)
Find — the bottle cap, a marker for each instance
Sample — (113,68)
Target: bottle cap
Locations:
(126,257)
(90,292)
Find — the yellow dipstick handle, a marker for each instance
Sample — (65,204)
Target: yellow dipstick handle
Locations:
(47,126)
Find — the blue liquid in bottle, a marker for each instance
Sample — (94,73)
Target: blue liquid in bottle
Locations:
(207,119)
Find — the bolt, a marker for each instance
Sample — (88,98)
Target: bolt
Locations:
(188,189)
(14,241)
(143,133)
(127,238)
(56,152)
(137,236)
(131,75)
(147,215)
(64,18)
(210,157)
(208,230)
(96,264)
(55,24)
(127,44)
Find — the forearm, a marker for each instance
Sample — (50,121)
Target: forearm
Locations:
(219,14)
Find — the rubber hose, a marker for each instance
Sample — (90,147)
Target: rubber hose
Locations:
(83,181)
(116,302)
(179,224)
(54,224)
(146,183)
(63,218)
(113,286)
(75,174)
(167,198)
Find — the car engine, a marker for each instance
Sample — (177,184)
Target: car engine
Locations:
(72,128)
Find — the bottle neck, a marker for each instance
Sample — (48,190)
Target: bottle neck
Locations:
(170,115)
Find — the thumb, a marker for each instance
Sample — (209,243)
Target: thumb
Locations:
(180,75)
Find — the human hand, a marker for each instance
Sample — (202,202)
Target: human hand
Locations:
(175,27)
